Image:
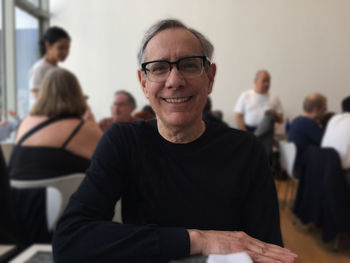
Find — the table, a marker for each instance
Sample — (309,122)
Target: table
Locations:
(6,252)
(34,251)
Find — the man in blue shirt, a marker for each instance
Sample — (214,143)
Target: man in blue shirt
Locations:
(306,130)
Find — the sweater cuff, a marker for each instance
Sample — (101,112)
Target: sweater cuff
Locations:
(174,243)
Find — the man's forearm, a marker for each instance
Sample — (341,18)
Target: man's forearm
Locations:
(240,121)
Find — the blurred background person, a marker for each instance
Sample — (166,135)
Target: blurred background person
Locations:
(54,48)
(145,114)
(326,118)
(306,129)
(337,136)
(254,104)
(53,141)
(209,116)
(121,110)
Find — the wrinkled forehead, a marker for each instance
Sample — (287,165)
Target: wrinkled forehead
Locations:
(173,43)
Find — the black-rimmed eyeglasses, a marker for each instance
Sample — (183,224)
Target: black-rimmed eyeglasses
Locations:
(159,70)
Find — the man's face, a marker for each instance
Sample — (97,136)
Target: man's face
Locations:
(262,82)
(121,109)
(178,101)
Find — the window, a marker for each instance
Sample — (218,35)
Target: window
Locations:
(21,24)
(34,2)
(2,74)
(27,53)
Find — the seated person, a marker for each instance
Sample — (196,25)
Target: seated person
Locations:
(306,129)
(209,116)
(337,136)
(123,106)
(52,141)
(186,187)
(254,104)
(145,114)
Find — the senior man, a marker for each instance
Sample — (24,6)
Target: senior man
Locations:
(123,105)
(186,187)
(254,104)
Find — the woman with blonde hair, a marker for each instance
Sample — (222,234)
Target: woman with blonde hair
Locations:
(54,140)
(54,133)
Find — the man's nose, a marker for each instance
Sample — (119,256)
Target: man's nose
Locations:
(175,78)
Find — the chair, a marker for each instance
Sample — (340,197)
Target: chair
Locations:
(323,194)
(58,192)
(54,204)
(288,153)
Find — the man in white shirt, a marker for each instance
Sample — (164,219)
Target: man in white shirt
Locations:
(337,135)
(253,104)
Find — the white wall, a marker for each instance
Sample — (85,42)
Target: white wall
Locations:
(305,44)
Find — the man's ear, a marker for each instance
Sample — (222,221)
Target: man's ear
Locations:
(142,79)
(211,76)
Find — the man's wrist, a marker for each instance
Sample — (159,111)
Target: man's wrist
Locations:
(196,240)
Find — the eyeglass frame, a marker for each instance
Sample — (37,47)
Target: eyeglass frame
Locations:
(205,60)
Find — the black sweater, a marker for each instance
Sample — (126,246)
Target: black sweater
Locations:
(221,181)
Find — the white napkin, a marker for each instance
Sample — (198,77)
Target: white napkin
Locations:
(240,257)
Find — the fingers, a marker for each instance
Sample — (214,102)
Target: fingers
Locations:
(226,242)
(264,252)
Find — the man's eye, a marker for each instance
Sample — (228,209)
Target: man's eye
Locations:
(159,68)
(190,65)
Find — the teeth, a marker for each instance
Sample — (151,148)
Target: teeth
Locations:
(177,100)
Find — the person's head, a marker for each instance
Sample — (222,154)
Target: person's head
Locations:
(145,114)
(149,109)
(175,72)
(315,106)
(345,105)
(325,118)
(55,44)
(262,81)
(60,94)
(123,105)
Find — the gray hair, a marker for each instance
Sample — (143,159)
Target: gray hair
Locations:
(207,47)
(131,99)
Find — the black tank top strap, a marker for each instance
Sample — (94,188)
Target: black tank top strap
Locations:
(37,128)
(74,132)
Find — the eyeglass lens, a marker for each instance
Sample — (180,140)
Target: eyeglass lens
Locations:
(188,67)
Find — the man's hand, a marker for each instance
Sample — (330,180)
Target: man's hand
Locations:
(226,242)
(278,117)
(239,117)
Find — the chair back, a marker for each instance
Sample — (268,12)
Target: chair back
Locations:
(54,206)
(288,152)
(66,185)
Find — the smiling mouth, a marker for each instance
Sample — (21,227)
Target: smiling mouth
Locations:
(177,100)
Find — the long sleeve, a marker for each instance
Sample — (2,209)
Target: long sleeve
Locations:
(86,233)
(261,213)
